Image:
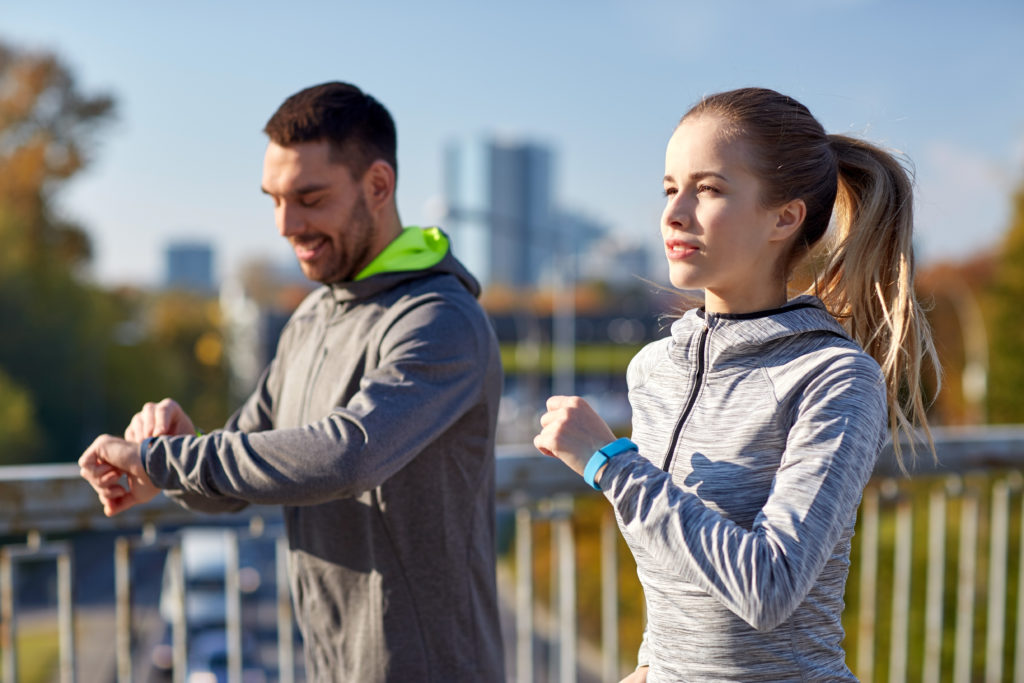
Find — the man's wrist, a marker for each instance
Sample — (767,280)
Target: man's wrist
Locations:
(144,452)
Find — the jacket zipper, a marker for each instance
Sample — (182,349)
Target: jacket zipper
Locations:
(698,378)
(314,371)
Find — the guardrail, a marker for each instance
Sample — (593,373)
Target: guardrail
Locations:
(937,558)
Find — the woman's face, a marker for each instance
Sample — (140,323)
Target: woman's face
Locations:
(717,235)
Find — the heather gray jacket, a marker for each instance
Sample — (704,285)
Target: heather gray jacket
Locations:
(374,427)
(756,435)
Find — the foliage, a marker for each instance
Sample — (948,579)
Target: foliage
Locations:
(19,431)
(46,131)
(1006,328)
(76,360)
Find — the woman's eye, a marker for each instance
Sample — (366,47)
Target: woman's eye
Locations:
(669,191)
(706,188)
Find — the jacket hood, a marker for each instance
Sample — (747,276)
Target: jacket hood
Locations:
(415,253)
(740,333)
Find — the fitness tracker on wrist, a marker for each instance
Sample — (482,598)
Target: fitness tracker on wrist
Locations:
(603,455)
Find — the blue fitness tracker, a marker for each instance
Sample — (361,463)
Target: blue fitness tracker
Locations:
(603,455)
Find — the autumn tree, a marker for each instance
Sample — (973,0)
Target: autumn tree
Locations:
(47,130)
(1006,324)
(51,358)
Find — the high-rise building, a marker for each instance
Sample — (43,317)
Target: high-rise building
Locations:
(190,267)
(498,195)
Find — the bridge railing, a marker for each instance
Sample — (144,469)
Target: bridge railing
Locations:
(936,590)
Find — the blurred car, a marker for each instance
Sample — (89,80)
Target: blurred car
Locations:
(208,658)
(204,559)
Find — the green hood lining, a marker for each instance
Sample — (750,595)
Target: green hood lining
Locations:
(415,249)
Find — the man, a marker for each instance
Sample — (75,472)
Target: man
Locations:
(373,425)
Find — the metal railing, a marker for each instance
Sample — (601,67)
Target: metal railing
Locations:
(936,590)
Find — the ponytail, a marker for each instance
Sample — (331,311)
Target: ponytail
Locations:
(868,279)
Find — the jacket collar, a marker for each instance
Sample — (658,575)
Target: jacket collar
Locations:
(743,333)
(414,254)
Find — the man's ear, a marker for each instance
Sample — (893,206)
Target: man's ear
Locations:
(379,184)
(789,219)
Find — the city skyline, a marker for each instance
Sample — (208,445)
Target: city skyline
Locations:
(602,88)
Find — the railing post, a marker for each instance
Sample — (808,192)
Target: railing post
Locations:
(8,641)
(1018,653)
(995,618)
(35,549)
(868,585)
(609,597)
(66,614)
(122,609)
(562,531)
(285,642)
(902,553)
(524,594)
(232,606)
(966,573)
(936,578)
(179,621)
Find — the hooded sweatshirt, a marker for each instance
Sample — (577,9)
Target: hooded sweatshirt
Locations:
(756,436)
(374,427)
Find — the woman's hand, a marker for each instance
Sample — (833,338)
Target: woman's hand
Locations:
(638,676)
(571,431)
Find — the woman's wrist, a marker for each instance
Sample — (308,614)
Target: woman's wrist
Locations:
(598,462)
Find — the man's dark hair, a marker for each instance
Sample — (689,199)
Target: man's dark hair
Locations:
(359,129)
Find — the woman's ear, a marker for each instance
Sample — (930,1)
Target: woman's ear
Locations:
(790,218)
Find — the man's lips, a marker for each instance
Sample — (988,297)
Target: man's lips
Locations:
(677,249)
(307,250)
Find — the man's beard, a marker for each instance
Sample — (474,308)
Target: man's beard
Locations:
(355,255)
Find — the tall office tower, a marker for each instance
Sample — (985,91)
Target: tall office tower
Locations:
(498,195)
(190,267)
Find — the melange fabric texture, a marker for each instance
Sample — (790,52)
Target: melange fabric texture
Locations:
(374,427)
(756,436)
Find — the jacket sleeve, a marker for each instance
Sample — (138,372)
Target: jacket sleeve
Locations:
(763,574)
(255,415)
(433,361)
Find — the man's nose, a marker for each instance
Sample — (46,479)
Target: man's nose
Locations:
(289,220)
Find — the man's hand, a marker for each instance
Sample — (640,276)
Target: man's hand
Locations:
(105,462)
(159,419)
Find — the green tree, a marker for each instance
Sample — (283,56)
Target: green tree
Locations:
(19,432)
(76,360)
(47,130)
(1006,327)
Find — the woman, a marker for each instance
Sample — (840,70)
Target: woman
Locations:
(757,423)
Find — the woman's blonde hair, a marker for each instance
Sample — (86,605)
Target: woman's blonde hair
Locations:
(866,279)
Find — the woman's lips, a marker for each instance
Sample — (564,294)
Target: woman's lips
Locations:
(680,250)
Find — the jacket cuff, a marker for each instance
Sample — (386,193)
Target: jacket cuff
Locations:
(151,465)
(614,467)
(144,452)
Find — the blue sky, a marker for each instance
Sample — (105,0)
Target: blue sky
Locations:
(603,82)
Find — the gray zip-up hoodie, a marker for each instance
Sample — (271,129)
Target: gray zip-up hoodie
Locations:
(756,435)
(374,427)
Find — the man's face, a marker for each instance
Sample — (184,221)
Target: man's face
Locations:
(320,209)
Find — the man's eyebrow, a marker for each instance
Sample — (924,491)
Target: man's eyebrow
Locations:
(305,189)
